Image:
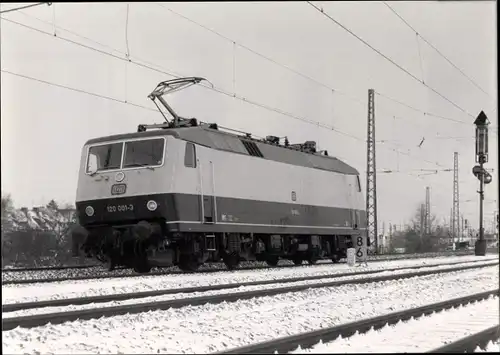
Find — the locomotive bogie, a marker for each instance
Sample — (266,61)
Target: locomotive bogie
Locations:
(143,246)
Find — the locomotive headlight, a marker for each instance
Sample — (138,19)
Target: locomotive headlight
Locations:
(89,211)
(151,205)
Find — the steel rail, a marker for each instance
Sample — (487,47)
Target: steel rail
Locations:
(50,268)
(61,317)
(309,339)
(70,267)
(176,272)
(11,307)
(469,343)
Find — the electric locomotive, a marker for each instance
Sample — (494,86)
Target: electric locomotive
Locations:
(185,192)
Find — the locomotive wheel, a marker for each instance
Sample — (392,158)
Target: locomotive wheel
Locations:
(111,265)
(142,266)
(112,260)
(335,258)
(297,261)
(188,263)
(312,261)
(231,260)
(272,260)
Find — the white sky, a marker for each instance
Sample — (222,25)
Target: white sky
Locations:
(44,127)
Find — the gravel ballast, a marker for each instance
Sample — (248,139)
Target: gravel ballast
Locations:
(210,328)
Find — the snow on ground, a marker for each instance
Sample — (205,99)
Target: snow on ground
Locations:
(215,327)
(491,347)
(209,293)
(83,288)
(417,335)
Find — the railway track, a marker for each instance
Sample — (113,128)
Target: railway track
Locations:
(85,314)
(109,275)
(136,295)
(470,343)
(77,267)
(50,268)
(322,336)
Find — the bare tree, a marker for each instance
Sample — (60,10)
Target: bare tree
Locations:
(7,225)
(7,210)
(414,240)
(46,241)
(59,227)
(417,222)
(53,205)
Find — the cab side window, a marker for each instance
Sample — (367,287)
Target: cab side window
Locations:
(190,156)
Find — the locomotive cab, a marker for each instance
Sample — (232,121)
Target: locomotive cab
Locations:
(120,197)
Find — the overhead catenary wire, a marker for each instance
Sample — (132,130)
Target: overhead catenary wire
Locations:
(422,111)
(317,82)
(176,75)
(437,50)
(324,13)
(126,30)
(128,52)
(358,101)
(54,20)
(421,174)
(153,110)
(25,7)
(427,138)
(77,43)
(420,59)
(65,30)
(305,76)
(287,114)
(81,91)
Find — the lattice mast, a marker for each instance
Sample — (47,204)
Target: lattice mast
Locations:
(371,176)
(427,217)
(450,226)
(455,215)
(462,229)
(422,220)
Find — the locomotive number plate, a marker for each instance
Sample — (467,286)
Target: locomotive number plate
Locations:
(118,189)
(119,208)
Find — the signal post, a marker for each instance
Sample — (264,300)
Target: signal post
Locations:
(484,177)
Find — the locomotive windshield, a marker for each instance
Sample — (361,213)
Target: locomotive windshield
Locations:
(143,153)
(104,157)
(131,154)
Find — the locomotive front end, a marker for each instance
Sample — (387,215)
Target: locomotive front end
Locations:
(121,203)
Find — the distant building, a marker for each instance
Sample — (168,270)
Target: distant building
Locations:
(68,213)
(38,218)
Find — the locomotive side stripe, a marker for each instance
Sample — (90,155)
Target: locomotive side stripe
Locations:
(258,229)
(231,213)
(254,224)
